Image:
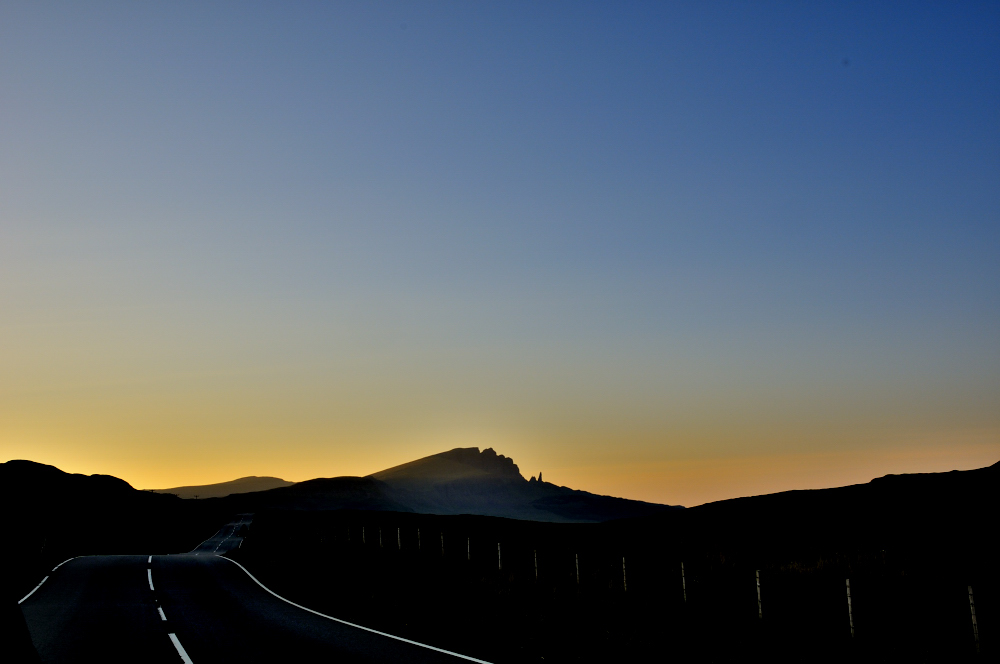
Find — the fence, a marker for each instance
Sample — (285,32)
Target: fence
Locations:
(521,591)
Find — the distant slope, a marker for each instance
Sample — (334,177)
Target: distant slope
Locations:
(467,481)
(926,510)
(324,493)
(460,481)
(241,485)
(461,463)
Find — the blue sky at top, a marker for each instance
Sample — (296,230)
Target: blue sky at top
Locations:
(648,199)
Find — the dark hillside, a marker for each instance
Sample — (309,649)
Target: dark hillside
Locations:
(762,577)
(517,591)
(923,512)
(460,481)
(52,515)
(222,489)
(328,493)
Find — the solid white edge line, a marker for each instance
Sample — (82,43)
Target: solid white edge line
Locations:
(33,590)
(350,624)
(64,562)
(45,579)
(149,575)
(180,648)
(163,616)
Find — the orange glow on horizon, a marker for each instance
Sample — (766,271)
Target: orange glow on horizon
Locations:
(683,481)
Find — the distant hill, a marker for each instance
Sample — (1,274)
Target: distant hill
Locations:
(221,489)
(460,481)
(324,493)
(925,511)
(459,464)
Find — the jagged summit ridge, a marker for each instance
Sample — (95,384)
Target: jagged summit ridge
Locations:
(466,480)
(461,463)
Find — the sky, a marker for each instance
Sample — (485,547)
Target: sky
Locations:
(676,252)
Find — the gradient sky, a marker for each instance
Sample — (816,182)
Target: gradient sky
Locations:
(670,251)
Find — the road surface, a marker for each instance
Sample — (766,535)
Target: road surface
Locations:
(197,608)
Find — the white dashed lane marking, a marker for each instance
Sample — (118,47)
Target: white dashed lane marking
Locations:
(149,575)
(180,649)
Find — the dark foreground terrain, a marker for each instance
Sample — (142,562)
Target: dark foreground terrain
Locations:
(764,578)
(204,607)
(50,516)
(459,481)
(909,546)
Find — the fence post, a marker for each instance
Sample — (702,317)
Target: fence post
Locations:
(760,610)
(468,548)
(362,534)
(442,545)
(624,580)
(684,587)
(418,539)
(975,627)
(850,611)
(380,537)
(536,565)
(577,556)
(399,539)
(499,560)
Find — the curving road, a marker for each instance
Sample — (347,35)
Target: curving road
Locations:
(197,608)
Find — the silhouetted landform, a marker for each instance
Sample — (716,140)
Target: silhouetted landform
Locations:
(222,489)
(910,546)
(921,510)
(913,547)
(50,515)
(460,481)
(459,464)
(327,493)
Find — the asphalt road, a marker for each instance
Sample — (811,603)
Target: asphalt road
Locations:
(198,605)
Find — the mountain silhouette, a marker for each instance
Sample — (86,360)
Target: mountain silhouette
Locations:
(51,515)
(915,512)
(221,489)
(54,512)
(459,481)
(467,481)
(461,463)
